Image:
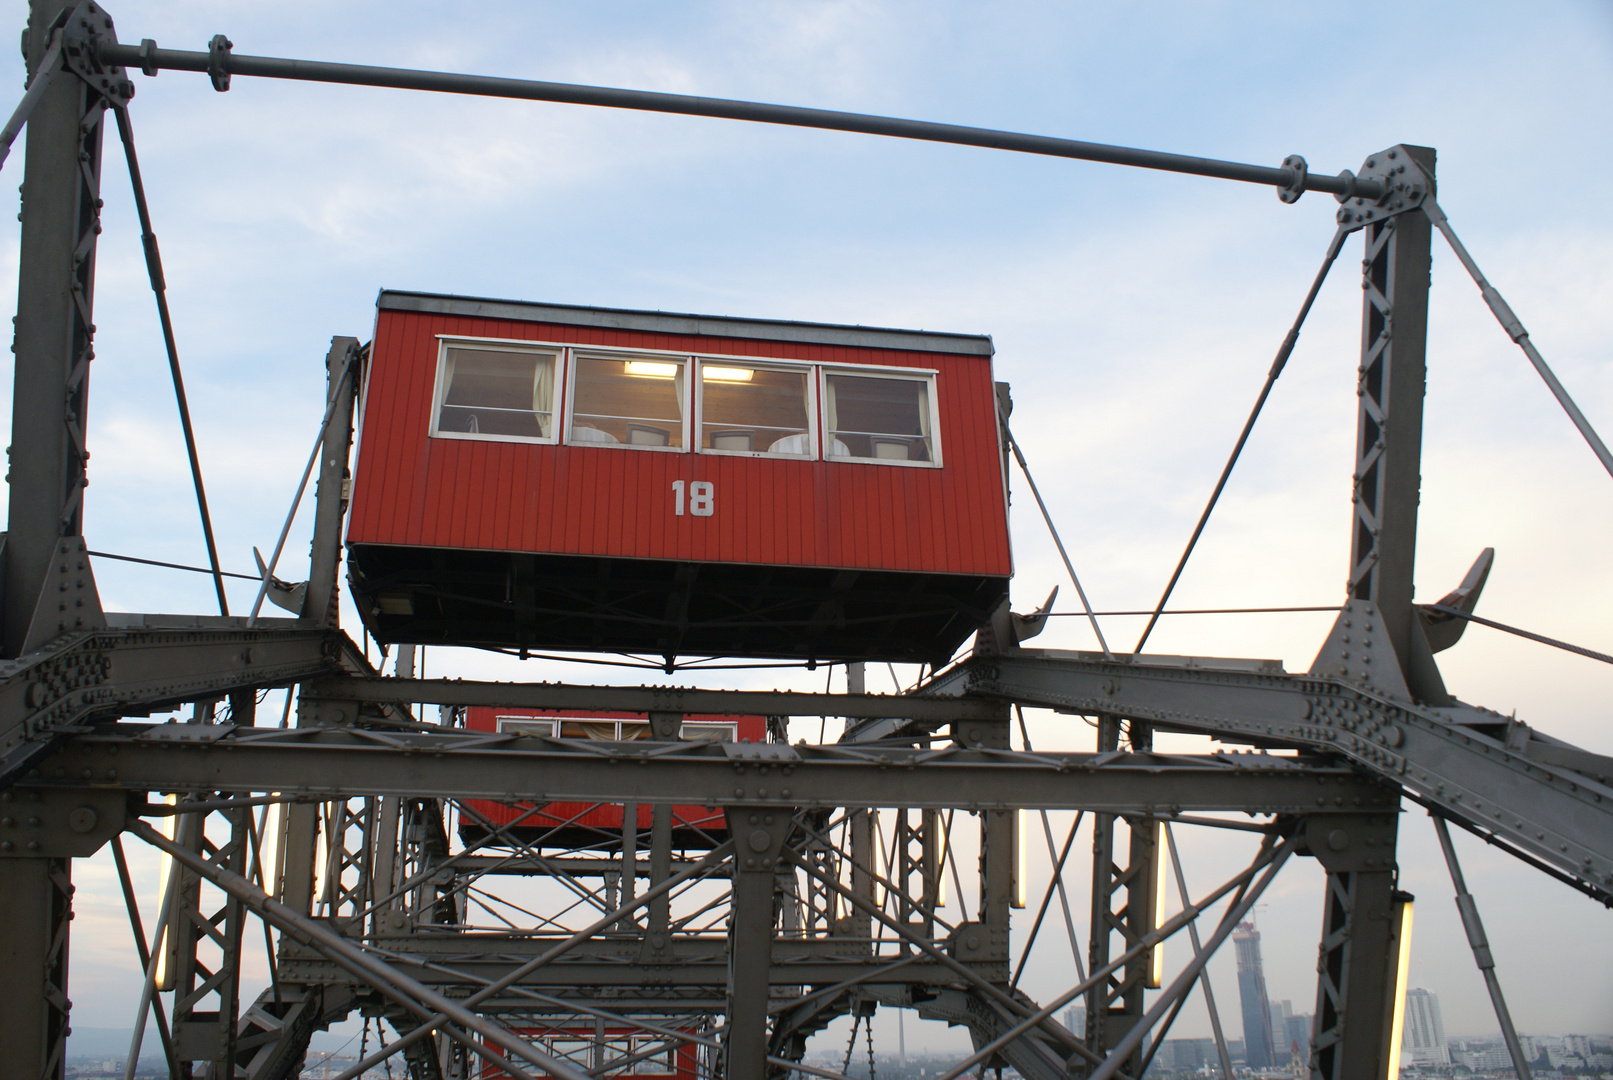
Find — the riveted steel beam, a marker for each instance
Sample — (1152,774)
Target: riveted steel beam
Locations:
(1454,757)
(334,763)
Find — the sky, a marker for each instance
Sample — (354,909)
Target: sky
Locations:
(1135,314)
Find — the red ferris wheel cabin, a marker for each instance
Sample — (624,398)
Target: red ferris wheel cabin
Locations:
(539,476)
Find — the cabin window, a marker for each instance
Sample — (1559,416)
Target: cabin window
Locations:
(526,725)
(745,409)
(879,418)
(709,731)
(495,393)
(632,401)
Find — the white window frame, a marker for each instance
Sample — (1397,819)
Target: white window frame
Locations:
(807,368)
(924,375)
(585,352)
(438,387)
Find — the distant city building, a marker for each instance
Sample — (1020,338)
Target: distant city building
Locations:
(1290,1034)
(1297,1032)
(1423,1030)
(1075,1019)
(1488,1060)
(1258,1049)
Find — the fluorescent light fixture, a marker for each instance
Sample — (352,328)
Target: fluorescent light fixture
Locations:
(1021,869)
(1402,920)
(1156,955)
(651,369)
(726,374)
(168,827)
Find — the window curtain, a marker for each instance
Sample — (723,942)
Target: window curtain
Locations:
(448,367)
(924,412)
(543,394)
(677,391)
(831,415)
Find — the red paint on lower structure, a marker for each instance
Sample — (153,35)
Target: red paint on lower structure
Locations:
(574,825)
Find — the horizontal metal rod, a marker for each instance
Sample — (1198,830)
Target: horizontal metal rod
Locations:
(670,699)
(154,59)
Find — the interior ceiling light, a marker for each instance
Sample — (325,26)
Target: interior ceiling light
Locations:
(726,374)
(651,369)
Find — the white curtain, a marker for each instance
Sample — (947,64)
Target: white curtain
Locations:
(543,394)
(924,420)
(831,415)
(448,367)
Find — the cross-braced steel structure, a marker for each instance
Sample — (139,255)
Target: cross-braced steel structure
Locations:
(523,953)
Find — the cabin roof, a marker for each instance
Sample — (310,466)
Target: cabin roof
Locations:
(671,322)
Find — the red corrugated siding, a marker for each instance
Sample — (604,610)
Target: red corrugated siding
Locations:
(414,490)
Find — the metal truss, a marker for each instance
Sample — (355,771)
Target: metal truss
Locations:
(352,844)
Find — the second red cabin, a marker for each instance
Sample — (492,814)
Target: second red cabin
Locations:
(597,825)
(586,479)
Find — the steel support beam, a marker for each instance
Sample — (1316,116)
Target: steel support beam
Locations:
(35,909)
(1456,758)
(330,494)
(61,219)
(760,833)
(331,763)
(652,699)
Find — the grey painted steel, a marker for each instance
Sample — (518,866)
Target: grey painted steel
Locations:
(1193,939)
(759,835)
(333,447)
(650,699)
(159,288)
(113,672)
(42,73)
(384,978)
(1131,1045)
(1389,428)
(35,909)
(1284,351)
(672,322)
(1480,944)
(1455,757)
(52,342)
(1285,178)
(1514,328)
(196,757)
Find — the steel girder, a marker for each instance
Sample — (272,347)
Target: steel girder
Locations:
(1457,758)
(131,670)
(327,763)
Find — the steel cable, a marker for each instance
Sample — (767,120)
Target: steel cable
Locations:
(159,287)
(1285,350)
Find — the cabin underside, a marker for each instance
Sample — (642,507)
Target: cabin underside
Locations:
(573,603)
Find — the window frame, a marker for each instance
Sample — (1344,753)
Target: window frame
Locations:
(928,376)
(514,345)
(814,422)
(577,353)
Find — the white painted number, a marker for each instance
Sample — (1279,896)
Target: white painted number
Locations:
(702,498)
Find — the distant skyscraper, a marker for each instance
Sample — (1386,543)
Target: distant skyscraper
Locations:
(1424,1031)
(1258,1052)
(1075,1019)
